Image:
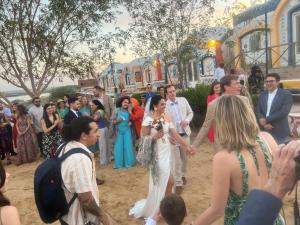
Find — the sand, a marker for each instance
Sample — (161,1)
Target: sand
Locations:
(125,186)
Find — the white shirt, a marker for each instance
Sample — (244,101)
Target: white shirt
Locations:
(36,114)
(271,97)
(219,73)
(101,99)
(75,112)
(176,116)
(79,176)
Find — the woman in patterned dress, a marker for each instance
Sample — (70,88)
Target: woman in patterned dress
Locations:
(243,163)
(51,137)
(28,148)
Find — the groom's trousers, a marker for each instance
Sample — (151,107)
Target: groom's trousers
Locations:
(179,161)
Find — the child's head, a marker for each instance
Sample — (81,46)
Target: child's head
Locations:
(172,209)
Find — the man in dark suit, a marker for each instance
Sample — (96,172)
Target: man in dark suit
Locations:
(273,108)
(262,206)
(74,111)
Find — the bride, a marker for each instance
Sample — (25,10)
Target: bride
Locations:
(161,182)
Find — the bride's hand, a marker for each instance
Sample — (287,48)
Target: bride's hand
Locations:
(159,134)
(191,150)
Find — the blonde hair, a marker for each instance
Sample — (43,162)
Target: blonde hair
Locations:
(236,125)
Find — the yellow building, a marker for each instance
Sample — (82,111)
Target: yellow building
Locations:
(283,31)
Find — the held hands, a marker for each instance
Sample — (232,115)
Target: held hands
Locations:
(191,150)
(184,123)
(262,121)
(268,126)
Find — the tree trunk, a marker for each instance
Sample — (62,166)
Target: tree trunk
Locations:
(166,72)
(180,71)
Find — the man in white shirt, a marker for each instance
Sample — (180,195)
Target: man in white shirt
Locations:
(79,175)
(36,112)
(273,108)
(181,114)
(219,72)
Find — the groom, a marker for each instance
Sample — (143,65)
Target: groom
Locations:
(181,114)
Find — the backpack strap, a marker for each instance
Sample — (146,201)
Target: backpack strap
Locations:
(59,149)
(73,151)
(66,155)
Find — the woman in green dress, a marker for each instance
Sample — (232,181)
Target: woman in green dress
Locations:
(242,164)
(61,108)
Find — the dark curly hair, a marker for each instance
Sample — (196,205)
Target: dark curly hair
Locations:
(121,100)
(211,92)
(98,104)
(155,101)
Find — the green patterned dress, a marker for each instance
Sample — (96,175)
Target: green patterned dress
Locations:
(236,202)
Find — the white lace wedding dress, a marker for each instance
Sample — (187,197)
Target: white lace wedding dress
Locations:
(148,207)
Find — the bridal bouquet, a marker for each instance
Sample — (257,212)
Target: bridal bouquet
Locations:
(158,125)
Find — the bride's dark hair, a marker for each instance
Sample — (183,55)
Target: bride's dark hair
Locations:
(155,101)
(3,200)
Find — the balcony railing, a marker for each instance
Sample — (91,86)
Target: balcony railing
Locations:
(279,56)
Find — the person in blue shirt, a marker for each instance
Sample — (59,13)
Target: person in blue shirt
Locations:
(149,94)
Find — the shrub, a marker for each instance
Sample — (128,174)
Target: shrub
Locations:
(196,97)
(197,100)
(59,92)
(137,96)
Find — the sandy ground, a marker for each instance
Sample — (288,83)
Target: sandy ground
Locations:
(123,187)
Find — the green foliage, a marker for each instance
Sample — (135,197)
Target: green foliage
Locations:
(196,97)
(59,92)
(39,39)
(137,96)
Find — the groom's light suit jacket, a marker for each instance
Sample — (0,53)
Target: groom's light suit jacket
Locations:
(210,122)
(185,111)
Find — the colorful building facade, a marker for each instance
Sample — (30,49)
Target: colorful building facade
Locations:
(283,35)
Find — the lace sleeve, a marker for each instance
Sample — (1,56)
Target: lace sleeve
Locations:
(147,121)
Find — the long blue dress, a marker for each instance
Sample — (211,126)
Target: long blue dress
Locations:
(123,149)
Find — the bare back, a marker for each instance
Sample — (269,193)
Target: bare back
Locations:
(256,165)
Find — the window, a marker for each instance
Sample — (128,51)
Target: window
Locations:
(138,76)
(255,42)
(127,78)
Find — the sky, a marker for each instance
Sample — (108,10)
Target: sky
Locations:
(123,55)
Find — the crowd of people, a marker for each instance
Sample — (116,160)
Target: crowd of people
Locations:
(252,150)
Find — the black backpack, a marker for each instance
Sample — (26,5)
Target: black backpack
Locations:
(49,195)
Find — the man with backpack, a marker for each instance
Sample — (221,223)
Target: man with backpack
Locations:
(78,201)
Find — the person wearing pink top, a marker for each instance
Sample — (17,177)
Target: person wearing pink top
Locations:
(214,93)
